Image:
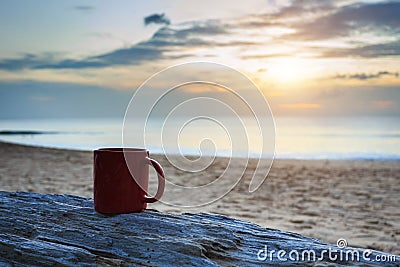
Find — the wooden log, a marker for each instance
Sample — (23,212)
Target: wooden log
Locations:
(65,230)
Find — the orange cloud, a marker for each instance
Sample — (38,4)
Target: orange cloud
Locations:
(382,104)
(301,106)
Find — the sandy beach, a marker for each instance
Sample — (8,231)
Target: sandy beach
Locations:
(327,200)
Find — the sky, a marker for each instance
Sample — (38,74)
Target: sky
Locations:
(311,58)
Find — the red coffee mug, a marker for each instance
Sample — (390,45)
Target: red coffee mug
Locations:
(121,177)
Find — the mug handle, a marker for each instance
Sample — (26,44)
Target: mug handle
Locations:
(161,181)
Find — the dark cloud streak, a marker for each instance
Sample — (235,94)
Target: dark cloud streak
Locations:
(128,56)
(156,19)
(27,61)
(365,76)
(83,8)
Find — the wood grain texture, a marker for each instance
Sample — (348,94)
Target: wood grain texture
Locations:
(64,230)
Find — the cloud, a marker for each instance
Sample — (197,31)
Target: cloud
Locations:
(41,98)
(383,17)
(296,11)
(312,21)
(383,104)
(156,19)
(167,39)
(303,7)
(355,100)
(27,61)
(145,51)
(365,51)
(263,56)
(84,8)
(190,30)
(365,76)
(127,56)
(301,106)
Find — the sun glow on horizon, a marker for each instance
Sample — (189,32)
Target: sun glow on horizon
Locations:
(291,70)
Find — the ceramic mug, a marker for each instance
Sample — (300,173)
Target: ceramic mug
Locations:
(121,178)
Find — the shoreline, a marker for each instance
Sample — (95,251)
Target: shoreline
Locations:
(387,159)
(323,199)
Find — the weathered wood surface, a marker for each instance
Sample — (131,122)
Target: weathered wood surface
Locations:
(48,230)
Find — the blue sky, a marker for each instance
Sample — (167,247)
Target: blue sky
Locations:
(307,57)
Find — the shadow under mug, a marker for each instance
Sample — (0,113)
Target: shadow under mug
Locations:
(121,178)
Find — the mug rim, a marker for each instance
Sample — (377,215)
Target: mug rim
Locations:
(121,149)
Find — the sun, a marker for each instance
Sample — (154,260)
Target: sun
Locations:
(289,70)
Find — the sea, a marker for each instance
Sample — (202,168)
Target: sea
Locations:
(337,138)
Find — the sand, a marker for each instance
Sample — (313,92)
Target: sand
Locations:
(327,200)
